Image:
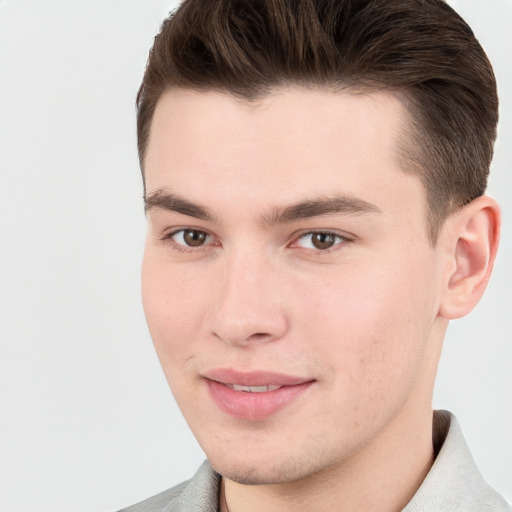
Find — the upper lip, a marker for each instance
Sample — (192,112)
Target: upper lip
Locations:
(253,378)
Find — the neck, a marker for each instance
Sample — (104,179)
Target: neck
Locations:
(382,477)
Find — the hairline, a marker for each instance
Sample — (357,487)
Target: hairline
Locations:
(407,151)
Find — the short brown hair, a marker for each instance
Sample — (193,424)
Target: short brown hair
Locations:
(420,49)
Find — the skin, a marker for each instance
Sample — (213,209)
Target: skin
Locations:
(363,320)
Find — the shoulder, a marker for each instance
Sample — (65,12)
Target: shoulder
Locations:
(199,494)
(454,483)
(162,501)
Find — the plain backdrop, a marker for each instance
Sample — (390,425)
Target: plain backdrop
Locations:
(86,420)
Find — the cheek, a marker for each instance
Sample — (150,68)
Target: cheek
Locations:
(370,324)
(172,306)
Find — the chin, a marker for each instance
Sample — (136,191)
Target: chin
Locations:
(270,469)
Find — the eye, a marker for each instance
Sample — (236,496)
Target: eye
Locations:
(320,241)
(190,237)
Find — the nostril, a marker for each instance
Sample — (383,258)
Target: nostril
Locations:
(248,324)
(259,336)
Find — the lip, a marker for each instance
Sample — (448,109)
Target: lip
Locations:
(250,405)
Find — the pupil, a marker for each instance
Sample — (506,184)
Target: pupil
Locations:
(194,238)
(323,240)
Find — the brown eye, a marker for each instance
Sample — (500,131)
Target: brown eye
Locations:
(190,237)
(323,240)
(194,238)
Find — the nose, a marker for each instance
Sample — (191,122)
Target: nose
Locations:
(248,306)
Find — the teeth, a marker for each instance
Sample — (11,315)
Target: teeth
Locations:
(253,389)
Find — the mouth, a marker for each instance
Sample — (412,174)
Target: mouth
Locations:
(254,396)
(254,389)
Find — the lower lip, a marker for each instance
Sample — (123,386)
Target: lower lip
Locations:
(254,406)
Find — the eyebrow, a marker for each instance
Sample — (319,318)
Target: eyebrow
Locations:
(309,208)
(320,206)
(170,202)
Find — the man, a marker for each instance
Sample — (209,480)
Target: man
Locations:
(314,178)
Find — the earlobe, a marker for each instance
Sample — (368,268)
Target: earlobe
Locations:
(473,233)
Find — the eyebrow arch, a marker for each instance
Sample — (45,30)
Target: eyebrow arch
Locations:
(309,208)
(170,202)
(318,207)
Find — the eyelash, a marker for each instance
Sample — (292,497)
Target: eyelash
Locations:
(342,240)
(183,248)
(169,238)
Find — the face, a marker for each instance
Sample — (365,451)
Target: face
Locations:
(289,284)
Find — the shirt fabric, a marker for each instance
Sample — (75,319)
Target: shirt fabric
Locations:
(453,484)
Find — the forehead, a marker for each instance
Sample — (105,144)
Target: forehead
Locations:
(291,143)
(291,114)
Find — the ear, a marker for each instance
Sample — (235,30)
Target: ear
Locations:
(472,237)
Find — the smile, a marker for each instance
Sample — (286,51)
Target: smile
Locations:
(256,395)
(253,389)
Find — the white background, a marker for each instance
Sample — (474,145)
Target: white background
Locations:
(87,423)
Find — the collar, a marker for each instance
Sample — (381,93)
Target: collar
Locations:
(453,484)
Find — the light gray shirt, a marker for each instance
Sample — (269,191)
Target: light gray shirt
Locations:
(453,484)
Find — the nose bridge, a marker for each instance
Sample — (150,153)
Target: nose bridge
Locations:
(248,306)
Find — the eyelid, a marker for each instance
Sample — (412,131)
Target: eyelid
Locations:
(345,238)
(168,238)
